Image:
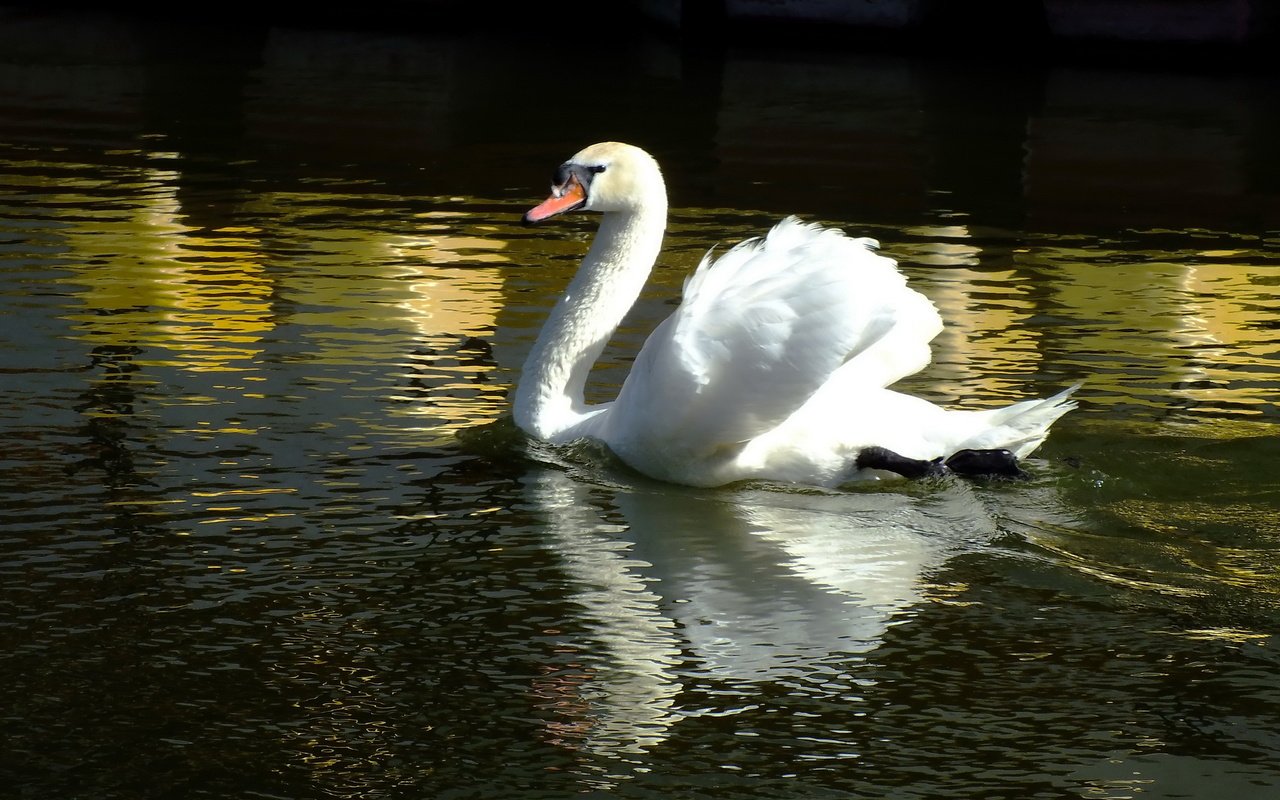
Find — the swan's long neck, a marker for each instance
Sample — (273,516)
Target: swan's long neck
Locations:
(549,400)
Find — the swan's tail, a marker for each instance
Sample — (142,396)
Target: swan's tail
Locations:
(1022,427)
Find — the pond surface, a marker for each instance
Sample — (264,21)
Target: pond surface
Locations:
(268,531)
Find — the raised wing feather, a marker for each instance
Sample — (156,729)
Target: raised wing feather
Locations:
(759,331)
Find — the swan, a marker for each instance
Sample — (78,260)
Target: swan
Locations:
(774,367)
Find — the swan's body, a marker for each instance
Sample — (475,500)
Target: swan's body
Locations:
(775,365)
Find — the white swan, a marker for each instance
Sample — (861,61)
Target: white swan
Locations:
(774,366)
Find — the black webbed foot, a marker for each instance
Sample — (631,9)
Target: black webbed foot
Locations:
(885,459)
(967,463)
(986,464)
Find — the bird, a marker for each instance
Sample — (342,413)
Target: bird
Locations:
(774,367)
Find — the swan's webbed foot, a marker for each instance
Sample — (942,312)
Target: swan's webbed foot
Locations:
(889,461)
(996,463)
(968,463)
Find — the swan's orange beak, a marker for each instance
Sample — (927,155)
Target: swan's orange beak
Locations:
(563,198)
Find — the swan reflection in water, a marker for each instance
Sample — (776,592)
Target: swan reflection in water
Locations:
(738,587)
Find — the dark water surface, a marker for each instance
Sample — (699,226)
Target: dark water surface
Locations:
(268,533)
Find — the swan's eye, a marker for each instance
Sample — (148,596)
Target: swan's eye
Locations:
(596,169)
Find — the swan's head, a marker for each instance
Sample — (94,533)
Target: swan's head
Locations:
(610,176)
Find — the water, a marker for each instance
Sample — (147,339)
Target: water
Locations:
(268,532)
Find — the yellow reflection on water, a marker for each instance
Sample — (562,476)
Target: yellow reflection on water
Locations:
(446,294)
(244,492)
(150,280)
(1225,310)
(357,280)
(442,296)
(1236,635)
(1167,325)
(985,346)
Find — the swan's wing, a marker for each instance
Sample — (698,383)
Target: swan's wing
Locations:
(760,329)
